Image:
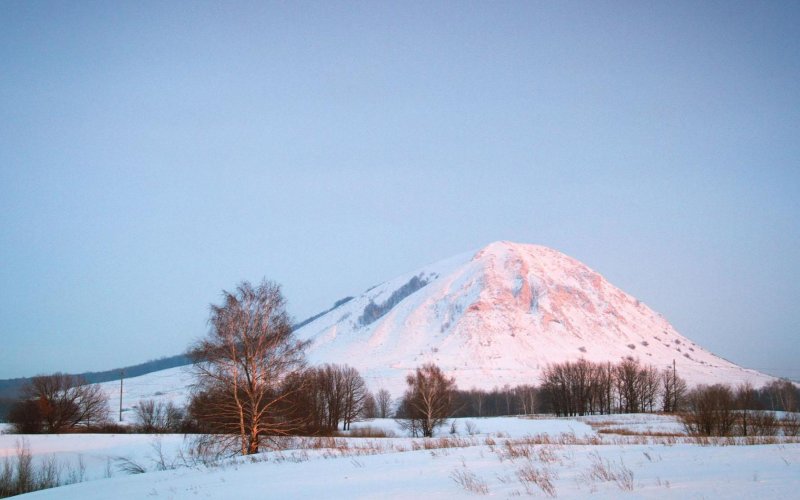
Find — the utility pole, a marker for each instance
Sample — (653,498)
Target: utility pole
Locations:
(121,376)
(673,387)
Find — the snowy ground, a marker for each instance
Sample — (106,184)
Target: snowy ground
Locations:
(644,424)
(502,457)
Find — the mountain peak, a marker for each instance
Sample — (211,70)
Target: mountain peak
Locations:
(500,316)
(504,246)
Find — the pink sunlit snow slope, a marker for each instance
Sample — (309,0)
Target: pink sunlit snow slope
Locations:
(499,316)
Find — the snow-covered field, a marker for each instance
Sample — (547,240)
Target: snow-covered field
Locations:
(501,457)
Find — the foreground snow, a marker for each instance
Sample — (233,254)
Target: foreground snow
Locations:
(679,471)
(501,457)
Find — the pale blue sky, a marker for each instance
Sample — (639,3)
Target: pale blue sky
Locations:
(155,153)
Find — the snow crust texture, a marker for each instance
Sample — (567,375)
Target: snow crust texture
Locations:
(499,316)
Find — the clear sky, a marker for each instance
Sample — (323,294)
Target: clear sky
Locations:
(155,153)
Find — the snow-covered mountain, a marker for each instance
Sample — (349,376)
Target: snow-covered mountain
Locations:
(499,316)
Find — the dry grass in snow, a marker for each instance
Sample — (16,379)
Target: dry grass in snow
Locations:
(559,458)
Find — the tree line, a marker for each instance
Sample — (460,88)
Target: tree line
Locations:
(584,388)
(252,384)
(720,410)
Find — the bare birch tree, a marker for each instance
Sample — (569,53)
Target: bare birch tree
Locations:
(428,401)
(240,365)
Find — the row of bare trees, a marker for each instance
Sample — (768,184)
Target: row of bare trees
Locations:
(583,387)
(321,398)
(519,400)
(719,410)
(251,383)
(778,395)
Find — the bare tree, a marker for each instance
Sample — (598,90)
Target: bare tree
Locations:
(526,395)
(629,386)
(240,366)
(60,403)
(428,401)
(649,384)
(673,390)
(781,395)
(370,408)
(556,388)
(354,392)
(603,387)
(332,387)
(158,417)
(477,398)
(384,402)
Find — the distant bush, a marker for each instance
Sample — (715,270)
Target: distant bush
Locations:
(109,427)
(370,432)
(158,417)
(791,424)
(711,411)
(763,423)
(718,410)
(58,403)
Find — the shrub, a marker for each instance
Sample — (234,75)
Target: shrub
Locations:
(158,417)
(543,478)
(470,482)
(763,423)
(371,432)
(791,424)
(605,470)
(711,411)
(58,403)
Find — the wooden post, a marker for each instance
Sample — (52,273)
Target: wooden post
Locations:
(121,376)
